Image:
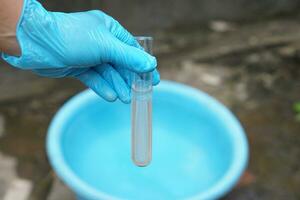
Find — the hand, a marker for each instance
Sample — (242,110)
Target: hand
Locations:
(90,46)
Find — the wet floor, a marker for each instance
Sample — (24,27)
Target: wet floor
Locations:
(259,83)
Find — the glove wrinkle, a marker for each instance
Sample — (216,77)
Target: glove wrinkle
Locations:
(90,46)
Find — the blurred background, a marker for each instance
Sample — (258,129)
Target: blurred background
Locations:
(244,53)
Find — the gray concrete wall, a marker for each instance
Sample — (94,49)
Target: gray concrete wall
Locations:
(147,15)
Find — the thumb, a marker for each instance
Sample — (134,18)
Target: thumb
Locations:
(132,58)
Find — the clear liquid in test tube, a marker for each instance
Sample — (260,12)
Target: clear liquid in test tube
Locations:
(141,112)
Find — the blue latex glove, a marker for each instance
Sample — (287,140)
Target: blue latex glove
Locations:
(90,46)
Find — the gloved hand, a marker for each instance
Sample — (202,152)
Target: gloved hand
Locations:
(90,46)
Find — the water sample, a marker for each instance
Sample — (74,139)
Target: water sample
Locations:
(141,111)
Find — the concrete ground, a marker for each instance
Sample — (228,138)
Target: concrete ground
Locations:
(252,68)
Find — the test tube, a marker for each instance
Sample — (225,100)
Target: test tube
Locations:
(141,111)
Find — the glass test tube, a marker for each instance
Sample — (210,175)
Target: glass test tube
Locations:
(141,111)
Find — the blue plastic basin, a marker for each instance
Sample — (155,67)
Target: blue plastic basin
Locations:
(199,148)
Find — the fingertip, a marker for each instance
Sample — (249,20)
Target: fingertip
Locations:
(103,89)
(123,92)
(126,100)
(151,64)
(132,58)
(115,80)
(110,96)
(94,81)
(155,77)
(148,64)
(106,93)
(156,82)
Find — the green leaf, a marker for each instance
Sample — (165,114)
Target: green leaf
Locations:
(297,107)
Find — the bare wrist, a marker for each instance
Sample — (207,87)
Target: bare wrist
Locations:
(10,12)
(9,44)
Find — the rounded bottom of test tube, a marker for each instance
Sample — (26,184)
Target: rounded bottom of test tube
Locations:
(141,164)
